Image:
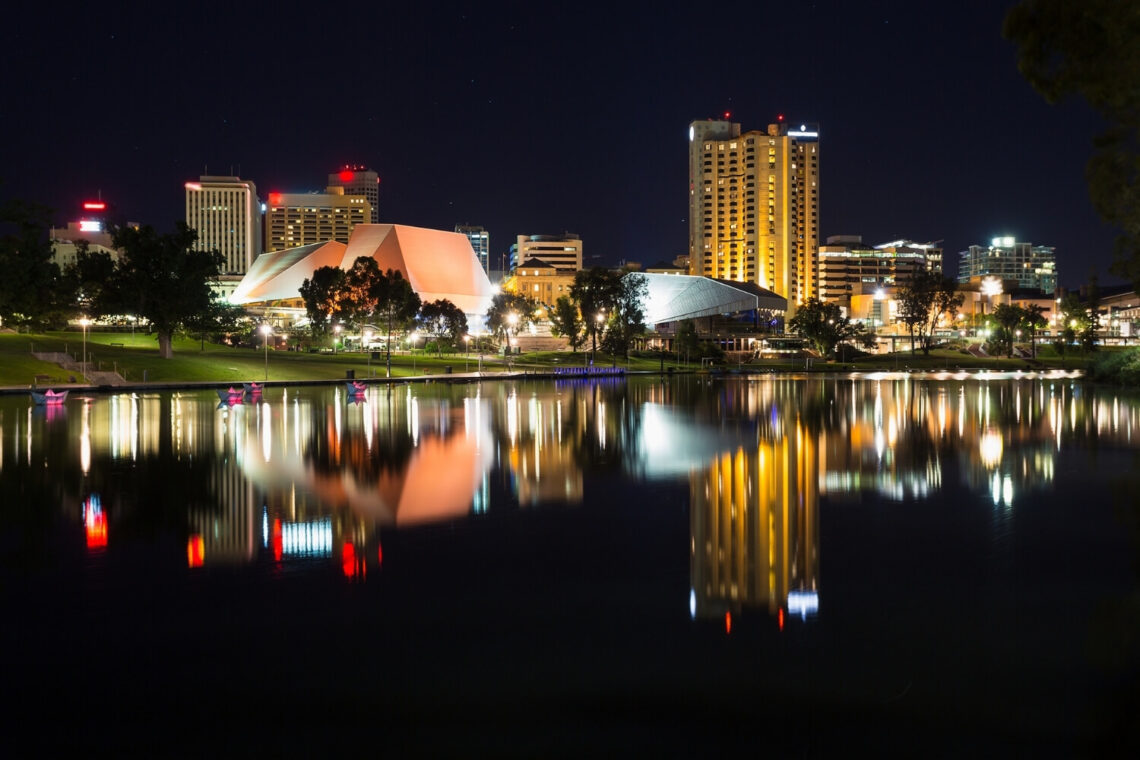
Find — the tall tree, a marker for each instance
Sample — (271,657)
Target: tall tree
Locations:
(1033,321)
(321,294)
(1089,49)
(396,306)
(596,291)
(627,314)
(1008,318)
(444,321)
(33,290)
(509,313)
(162,279)
(825,327)
(925,300)
(565,321)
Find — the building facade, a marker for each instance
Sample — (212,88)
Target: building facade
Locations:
(563,252)
(1032,267)
(540,281)
(480,243)
(359,180)
(865,279)
(754,206)
(226,213)
(296,219)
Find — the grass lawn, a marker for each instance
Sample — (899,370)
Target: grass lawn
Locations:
(135,357)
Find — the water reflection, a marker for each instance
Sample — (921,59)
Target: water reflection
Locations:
(316,475)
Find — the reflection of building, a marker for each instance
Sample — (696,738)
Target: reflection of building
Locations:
(754,206)
(755,528)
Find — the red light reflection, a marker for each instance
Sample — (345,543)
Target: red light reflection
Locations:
(278,544)
(780,617)
(348,560)
(94,523)
(195,551)
(728,622)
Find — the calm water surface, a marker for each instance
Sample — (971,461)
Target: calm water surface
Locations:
(919,564)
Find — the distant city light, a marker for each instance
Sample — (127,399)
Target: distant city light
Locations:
(94,206)
(90,225)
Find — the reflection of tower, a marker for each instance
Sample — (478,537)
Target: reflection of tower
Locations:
(228,531)
(754,524)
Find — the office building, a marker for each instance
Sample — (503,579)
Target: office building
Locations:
(226,213)
(296,219)
(563,252)
(480,243)
(754,206)
(1031,267)
(865,279)
(359,180)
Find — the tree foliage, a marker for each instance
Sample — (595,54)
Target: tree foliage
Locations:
(1089,49)
(33,290)
(509,313)
(596,291)
(444,321)
(159,278)
(566,321)
(825,327)
(923,302)
(321,294)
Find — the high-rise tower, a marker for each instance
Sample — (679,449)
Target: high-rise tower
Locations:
(754,206)
(227,215)
(359,180)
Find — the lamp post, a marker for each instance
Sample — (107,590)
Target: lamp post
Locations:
(466,353)
(512,322)
(598,319)
(265,330)
(336,335)
(84,323)
(413,338)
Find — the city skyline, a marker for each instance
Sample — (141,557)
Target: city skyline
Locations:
(537,121)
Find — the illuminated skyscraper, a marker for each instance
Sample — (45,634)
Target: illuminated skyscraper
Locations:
(359,180)
(296,219)
(226,213)
(480,243)
(754,206)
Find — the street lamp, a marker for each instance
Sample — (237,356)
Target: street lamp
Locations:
(413,338)
(512,322)
(84,323)
(598,318)
(336,335)
(466,353)
(265,330)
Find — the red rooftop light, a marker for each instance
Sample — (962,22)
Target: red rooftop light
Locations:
(94,206)
(346,176)
(275,199)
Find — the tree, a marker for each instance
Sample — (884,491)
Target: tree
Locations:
(33,291)
(220,318)
(823,324)
(923,302)
(321,294)
(1089,49)
(509,312)
(1074,319)
(162,279)
(627,314)
(396,306)
(1033,322)
(359,292)
(596,291)
(1008,318)
(685,339)
(443,319)
(566,321)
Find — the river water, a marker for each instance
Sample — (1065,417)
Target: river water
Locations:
(928,564)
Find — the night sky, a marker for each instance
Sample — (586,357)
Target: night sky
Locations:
(540,118)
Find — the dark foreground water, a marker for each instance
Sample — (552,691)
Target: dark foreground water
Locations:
(916,565)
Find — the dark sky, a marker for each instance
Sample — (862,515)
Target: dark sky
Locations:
(538,118)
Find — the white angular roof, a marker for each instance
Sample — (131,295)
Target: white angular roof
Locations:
(673,297)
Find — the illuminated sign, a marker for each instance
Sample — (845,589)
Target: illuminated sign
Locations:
(94,206)
(90,225)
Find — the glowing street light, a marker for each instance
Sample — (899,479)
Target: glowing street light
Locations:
(466,353)
(84,323)
(512,321)
(336,335)
(265,331)
(413,338)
